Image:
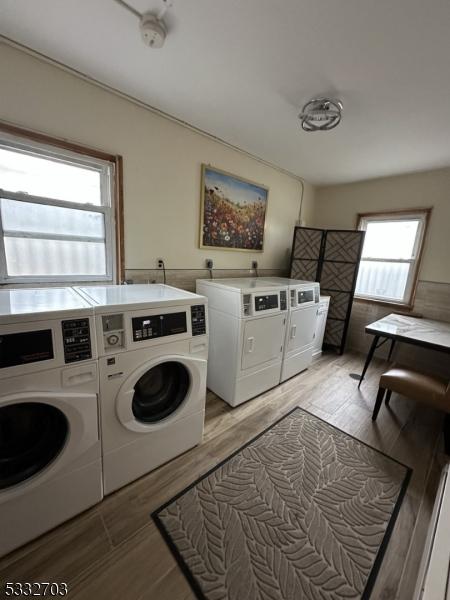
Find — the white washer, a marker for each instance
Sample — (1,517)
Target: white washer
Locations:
(301,325)
(247,319)
(50,452)
(153,347)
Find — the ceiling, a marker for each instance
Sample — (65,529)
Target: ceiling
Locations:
(242,69)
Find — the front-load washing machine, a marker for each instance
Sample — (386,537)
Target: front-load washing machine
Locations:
(247,319)
(50,452)
(303,302)
(153,347)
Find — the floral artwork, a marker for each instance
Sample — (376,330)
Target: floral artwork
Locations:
(233,212)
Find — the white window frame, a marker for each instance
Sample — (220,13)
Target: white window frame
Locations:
(422,215)
(106,208)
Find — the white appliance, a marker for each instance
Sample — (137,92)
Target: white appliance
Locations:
(153,347)
(303,303)
(433,582)
(247,318)
(50,452)
(324,304)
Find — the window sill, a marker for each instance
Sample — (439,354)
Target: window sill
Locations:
(37,283)
(395,305)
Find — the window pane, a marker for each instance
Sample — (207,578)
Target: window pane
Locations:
(390,239)
(382,279)
(45,219)
(37,257)
(20,172)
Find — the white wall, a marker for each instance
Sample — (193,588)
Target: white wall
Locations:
(338,206)
(162,164)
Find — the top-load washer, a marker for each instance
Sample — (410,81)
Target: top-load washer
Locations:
(247,318)
(303,302)
(153,347)
(50,453)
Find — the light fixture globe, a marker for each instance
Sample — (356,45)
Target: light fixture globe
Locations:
(153,31)
(321,114)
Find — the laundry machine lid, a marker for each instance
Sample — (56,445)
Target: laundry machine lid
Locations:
(136,296)
(289,282)
(243,284)
(40,303)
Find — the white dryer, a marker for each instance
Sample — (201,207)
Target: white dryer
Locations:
(153,347)
(50,453)
(301,325)
(247,318)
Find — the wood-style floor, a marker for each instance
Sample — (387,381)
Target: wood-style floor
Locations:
(115,551)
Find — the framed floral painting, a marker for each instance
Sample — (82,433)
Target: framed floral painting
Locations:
(233,212)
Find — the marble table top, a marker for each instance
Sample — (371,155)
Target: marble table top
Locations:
(422,332)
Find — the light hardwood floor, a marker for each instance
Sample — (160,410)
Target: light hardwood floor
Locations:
(115,551)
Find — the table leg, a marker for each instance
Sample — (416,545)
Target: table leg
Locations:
(369,357)
(391,349)
(378,402)
(447,434)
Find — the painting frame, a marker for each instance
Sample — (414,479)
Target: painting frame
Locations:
(233,178)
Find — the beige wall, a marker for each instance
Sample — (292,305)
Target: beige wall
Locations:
(161,164)
(337,206)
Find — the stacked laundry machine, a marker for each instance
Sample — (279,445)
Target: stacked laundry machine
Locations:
(153,346)
(50,451)
(135,355)
(261,333)
(303,313)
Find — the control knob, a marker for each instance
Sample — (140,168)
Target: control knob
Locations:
(112,339)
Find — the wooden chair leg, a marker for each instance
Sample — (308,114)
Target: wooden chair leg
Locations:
(447,434)
(378,403)
(388,397)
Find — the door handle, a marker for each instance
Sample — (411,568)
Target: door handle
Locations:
(293,331)
(250,344)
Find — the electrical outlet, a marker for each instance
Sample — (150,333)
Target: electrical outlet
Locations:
(209,263)
(254,264)
(160,263)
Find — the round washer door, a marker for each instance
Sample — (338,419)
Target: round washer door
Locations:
(32,435)
(159,389)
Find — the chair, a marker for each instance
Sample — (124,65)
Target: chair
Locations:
(418,386)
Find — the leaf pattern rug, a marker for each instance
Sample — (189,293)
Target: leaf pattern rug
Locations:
(303,511)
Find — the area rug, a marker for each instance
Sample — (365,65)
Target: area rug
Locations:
(303,511)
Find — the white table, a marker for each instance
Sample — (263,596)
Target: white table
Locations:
(427,333)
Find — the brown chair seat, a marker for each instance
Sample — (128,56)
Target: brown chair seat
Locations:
(424,388)
(417,386)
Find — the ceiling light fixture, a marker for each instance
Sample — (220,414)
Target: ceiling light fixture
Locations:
(153,31)
(152,27)
(321,114)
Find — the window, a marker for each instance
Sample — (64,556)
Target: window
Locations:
(391,255)
(57,220)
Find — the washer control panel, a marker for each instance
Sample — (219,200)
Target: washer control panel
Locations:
(155,326)
(77,340)
(266,302)
(198,319)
